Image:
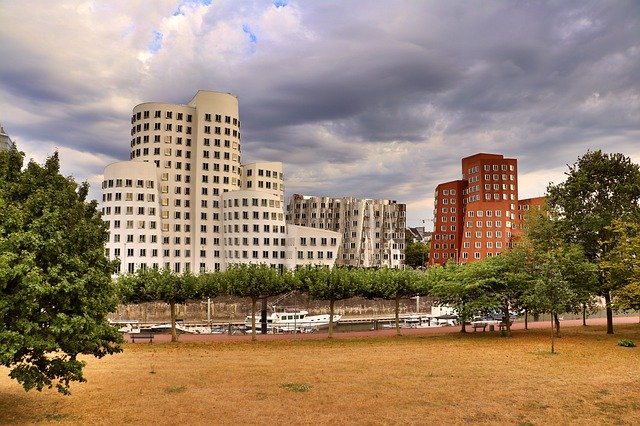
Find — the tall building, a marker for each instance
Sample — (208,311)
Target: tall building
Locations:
(373,231)
(5,141)
(185,201)
(476,217)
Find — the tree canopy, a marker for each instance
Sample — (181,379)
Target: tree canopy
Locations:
(600,188)
(55,281)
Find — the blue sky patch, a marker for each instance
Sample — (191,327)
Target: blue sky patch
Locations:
(156,44)
(252,37)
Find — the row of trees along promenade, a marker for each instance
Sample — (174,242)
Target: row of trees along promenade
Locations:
(56,288)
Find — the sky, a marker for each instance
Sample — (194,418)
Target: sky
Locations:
(371,99)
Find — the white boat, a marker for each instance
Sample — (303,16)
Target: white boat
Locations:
(126,326)
(421,321)
(413,321)
(292,320)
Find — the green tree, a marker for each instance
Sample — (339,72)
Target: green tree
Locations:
(464,288)
(508,277)
(622,265)
(150,284)
(599,189)
(256,282)
(416,254)
(391,284)
(211,284)
(55,281)
(331,284)
(550,291)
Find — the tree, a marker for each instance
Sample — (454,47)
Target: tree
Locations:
(211,284)
(416,254)
(330,284)
(171,288)
(507,277)
(622,265)
(55,281)
(150,284)
(391,284)
(256,282)
(599,189)
(543,240)
(550,291)
(464,288)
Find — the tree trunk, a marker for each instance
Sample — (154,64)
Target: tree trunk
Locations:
(557,321)
(607,301)
(526,319)
(263,316)
(507,318)
(553,336)
(254,302)
(398,333)
(331,303)
(174,334)
(584,314)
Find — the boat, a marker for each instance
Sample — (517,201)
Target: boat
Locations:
(126,326)
(418,321)
(292,320)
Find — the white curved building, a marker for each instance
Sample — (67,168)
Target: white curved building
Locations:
(198,208)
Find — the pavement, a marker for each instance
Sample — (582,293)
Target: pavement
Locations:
(166,337)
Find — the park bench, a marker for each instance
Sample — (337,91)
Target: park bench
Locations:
(143,335)
(483,326)
(503,324)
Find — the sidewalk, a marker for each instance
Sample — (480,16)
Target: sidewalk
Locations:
(165,337)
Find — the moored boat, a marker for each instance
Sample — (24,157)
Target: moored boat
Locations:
(293,320)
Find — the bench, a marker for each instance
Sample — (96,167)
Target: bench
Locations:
(503,325)
(143,335)
(477,326)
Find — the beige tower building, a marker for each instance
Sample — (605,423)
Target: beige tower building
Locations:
(184,201)
(372,230)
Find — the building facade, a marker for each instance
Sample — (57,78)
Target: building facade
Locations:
(184,200)
(6,143)
(476,217)
(373,231)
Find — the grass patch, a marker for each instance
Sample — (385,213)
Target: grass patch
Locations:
(296,387)
(175,389)
(57,417)
(445,378)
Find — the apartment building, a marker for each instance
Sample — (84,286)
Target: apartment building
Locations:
(373,231)
(476,217)
(185,201)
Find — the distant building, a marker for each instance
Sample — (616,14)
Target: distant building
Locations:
(5,141)
(185,201)
(418,234)
(476,217)
(373,231)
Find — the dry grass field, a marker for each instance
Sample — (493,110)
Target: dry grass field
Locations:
(478,378)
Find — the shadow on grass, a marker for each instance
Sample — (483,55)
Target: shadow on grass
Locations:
(27,408)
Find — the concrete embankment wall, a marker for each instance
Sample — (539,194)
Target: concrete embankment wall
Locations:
(231,309)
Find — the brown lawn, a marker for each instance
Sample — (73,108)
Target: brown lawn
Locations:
(477,378)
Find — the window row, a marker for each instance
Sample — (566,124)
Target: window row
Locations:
(128,183)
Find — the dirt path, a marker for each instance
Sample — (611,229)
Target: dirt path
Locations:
(161,337)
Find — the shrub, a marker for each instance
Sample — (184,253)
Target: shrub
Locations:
(626,343)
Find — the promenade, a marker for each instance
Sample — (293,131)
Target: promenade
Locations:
(518,325)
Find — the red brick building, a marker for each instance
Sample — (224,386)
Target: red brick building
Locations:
(475,217)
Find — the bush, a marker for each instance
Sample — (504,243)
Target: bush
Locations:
(626,343)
